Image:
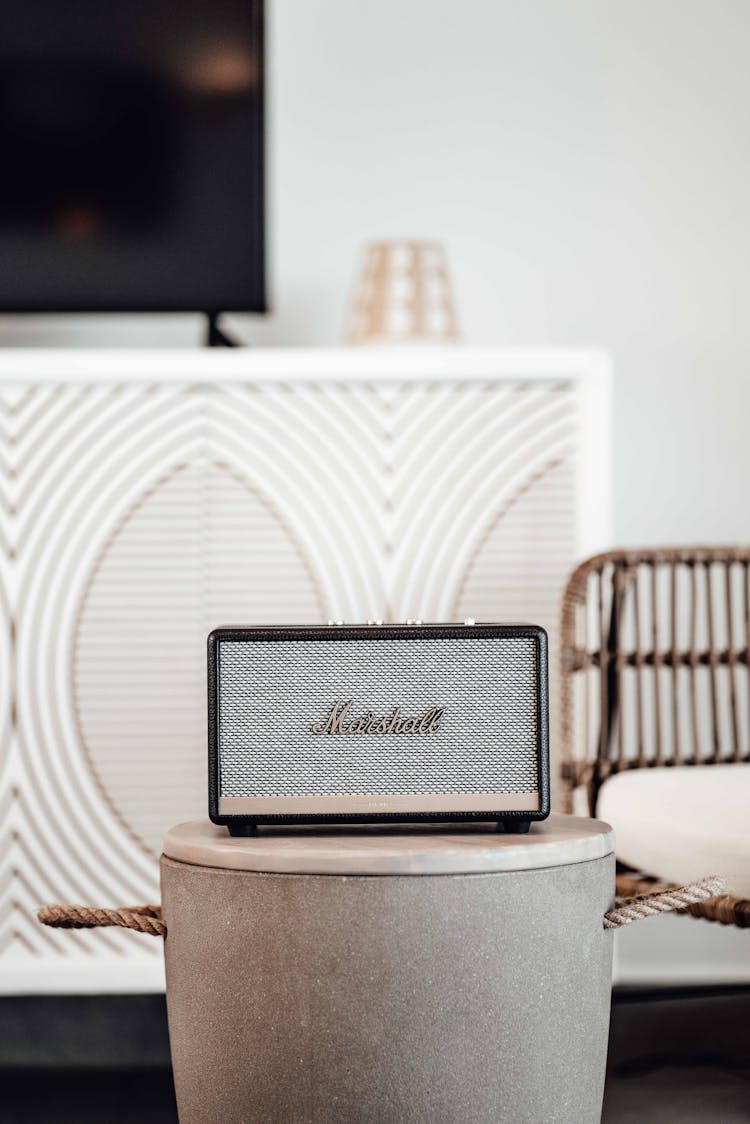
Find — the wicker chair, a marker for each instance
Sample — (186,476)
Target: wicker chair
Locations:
(656,672)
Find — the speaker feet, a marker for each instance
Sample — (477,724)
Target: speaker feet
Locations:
(514,827)
(242,829)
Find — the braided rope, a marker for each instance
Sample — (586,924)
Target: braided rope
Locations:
(664,900)
(141,918)
(147,918)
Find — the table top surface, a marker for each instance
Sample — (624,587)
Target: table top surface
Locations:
(392,849)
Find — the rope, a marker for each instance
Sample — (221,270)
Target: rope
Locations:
(147,918)
(665,900)
(141,918)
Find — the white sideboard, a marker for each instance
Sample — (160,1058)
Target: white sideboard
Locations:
(148,496)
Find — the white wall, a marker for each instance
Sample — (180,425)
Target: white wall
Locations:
(587,164)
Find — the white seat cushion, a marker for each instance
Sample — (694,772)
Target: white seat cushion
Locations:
(682,823)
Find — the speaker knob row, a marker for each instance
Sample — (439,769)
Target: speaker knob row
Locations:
(409,620)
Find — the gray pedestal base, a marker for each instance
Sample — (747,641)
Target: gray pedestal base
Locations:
(437,998)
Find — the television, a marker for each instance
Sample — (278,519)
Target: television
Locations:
(132,142)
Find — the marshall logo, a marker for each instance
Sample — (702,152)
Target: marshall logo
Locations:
(336,722)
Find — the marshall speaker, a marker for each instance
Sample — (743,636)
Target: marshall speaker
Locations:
(378,722)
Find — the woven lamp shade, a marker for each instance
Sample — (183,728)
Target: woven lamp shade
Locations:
(403,294)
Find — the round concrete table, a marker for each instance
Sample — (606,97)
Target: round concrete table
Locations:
(389,974)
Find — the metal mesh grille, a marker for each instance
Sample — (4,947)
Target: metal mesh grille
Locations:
(270,692)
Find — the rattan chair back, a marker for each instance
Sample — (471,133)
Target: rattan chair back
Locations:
(654,663)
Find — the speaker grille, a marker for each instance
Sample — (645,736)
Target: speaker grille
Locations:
(270,693)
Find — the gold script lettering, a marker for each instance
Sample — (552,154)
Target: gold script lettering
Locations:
(335,722)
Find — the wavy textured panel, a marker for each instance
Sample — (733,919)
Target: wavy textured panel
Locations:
(522,560)
(201,547)
(135,517)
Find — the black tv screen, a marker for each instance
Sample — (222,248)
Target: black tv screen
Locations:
(131,142)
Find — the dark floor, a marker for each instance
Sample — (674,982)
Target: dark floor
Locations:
(679,1057)
(88,1096)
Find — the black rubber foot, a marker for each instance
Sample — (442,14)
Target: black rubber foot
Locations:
(514,827)
(242,829)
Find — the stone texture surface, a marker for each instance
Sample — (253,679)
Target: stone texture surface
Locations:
(445,998)
(457,848)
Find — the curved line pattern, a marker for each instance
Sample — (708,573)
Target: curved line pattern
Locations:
(497,517)
(444,570)
(75,640)
(73,786)
(304,559)
(385,490)
(114,534)
(461,498)
(468,431)
(86,507)
(289,482)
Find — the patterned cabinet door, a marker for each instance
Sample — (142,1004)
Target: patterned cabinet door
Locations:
(147,497)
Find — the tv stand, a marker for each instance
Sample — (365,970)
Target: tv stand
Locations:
(215,337)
